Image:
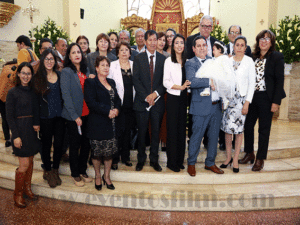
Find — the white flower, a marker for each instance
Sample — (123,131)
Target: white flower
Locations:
(290,25)
(293,47)
(54,31)
(289,39)
(280,50)
(59,27)
(297,53)
(49,33)
(297,37)
(281,41)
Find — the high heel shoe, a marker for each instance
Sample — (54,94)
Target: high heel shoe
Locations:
(109,186)
(225,166)
(235,170)
(98,187)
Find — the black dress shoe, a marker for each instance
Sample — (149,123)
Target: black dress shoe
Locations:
(139,166)
(222,147)
(114,166)
(109,186)
(164,149)
(127,163)
(98,187)
(7,143)
(156,166)
(174,169)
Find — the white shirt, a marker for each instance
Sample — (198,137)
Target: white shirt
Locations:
(60,55)
(209,51)
(142,50)
(214,94)
(231,47)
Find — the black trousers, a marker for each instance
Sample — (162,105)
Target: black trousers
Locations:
(5,126)
(126,122)
(260,109)
(50,128)
(176,129)
(79,147)
(142,118)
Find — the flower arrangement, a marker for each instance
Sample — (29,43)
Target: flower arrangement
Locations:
(2,60)
(132,40)
(220,34)
(48,30)
(288,38)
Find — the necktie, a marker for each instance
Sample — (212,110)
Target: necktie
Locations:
(151,70)
(203,60)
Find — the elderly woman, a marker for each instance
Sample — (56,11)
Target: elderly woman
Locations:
(104,103)
(269,66)
(234,116)
(114,39)
(84,44)
(170,34)
(121,73)
(23,121)
(175,82)
(75,111)
(103,46)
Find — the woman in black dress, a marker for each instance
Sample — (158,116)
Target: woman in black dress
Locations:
(23,121)
(102,98)
(46,83)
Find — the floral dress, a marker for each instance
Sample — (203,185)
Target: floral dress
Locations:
(233,121)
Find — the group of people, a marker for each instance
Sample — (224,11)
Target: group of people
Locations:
(100,97)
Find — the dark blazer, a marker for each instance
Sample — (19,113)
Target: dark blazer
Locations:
(132,56)
(248,50)
(274,77)
(189,45)
(97,98)
(91,59)
(142,80)
(71,93)
(42,101)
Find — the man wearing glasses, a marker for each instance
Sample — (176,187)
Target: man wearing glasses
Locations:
(233,32)
(205,28)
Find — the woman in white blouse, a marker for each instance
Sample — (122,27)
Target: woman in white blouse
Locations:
(176,84)
(234,116)
(121,73)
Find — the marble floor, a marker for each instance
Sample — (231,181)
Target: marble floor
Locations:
(51,211)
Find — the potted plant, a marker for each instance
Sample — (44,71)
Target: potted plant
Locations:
(288,40)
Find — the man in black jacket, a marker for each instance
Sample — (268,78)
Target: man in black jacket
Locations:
(205,28)
(233,32)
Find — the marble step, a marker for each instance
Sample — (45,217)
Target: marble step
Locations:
(220,158)
(168,197)
(274,171)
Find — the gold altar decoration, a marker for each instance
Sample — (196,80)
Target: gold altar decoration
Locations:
(165,14)
(135,21)
(7,10)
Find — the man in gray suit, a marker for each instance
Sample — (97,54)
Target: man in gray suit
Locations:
(206,110)
(148,69)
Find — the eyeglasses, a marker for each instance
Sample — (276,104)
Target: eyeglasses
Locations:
(206,27)
(170,36)
(267,39)
(46,48)
(51,60)
(234,33)
(25,74)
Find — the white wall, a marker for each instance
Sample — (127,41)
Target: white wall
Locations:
(288,8)
(100,16)
(20,24)
(238,12)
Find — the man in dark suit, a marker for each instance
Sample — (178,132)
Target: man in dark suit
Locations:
(148,68)
(205,28)
(206,111)
(233,32)
(139,40)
